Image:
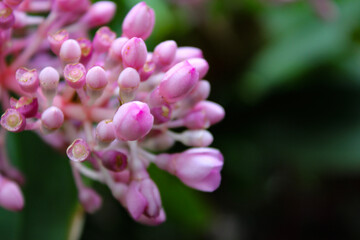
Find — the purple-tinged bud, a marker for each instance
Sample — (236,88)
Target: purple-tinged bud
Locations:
(113,160)
(75,75)
(57,39)
(70,51)
(100,13)
(85,46)
(184,53)
(196,120)
(200,92)
(153,221)
(103,39)
(128,81)
(49,81)
(134,53)
(105,131)
(27,106)
(7,18)
(116,48)
(198,168)
(196,138)
(12,3)
(96,81)
(164,53)
(139,22)
(89,199)
(78,151)
(178,82)
(156,99)
(201,66)
(161,113)
(213,111)
(133,121)
(147,70)
(143,198)
(13,121)
(11,197)
(52,118)
(27,79)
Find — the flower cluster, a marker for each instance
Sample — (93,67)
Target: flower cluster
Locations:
(108,101)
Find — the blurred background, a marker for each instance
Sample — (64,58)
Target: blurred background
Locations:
(288,75)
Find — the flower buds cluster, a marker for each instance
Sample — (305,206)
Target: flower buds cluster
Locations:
(112,103)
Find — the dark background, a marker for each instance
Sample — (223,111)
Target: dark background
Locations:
(288,76)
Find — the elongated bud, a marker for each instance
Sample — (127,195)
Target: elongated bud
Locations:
(213,111)
(11,197)
(133,121)
(96,81)
(164,53)
(49,81)
(178,82)
(28,79)
(139,22)
(78,151)
(196,138)
(75,75)
(116,48)
(70,51)
(115,161)
(128,81)
(13,121)
(134,53)
(57,39)
(27,106)
(89,199)
(7,18)
(196,120)
(103,39)
(158,141)
(200,92)
(100,13)
(201,65)
(105,131)
(52,118)
(184,53)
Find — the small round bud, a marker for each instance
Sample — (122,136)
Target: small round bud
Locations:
(89,199)
(49,81)
(78,151)
(7,18)
(164,53)
(129,79)
(57,39)
(96,78)
(103,39)
(27,79)
(52,118)
(116,47)
(134,53)
(75,75)
(133,121)
(115,161)
(11,197)
(13,121)
(196,138)
(139,22)
(70,51)
(105,131)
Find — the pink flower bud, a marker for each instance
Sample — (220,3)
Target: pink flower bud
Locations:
(201,66)
(161,113)
(139,22)
(200,92)
(27,79)
(115,161)
(158,141)
(213,111)
(78,151)
(178,82)
(164,53)
(57,39)
(27,106)
(75,75)
(49,81)
(116,48)
(196,120)
(198,168)
(70,51)
(103,39)
(184,53)
(134,53)
(7,18)
(105,131)
(52,118)
(96,78)
(11,197)
(100,13)
(13,121)
(85,46)
(147,70)
(156,99)
(12,3)
(89,199)
(133,121)
(129,79)
(196,138)
(143,198)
